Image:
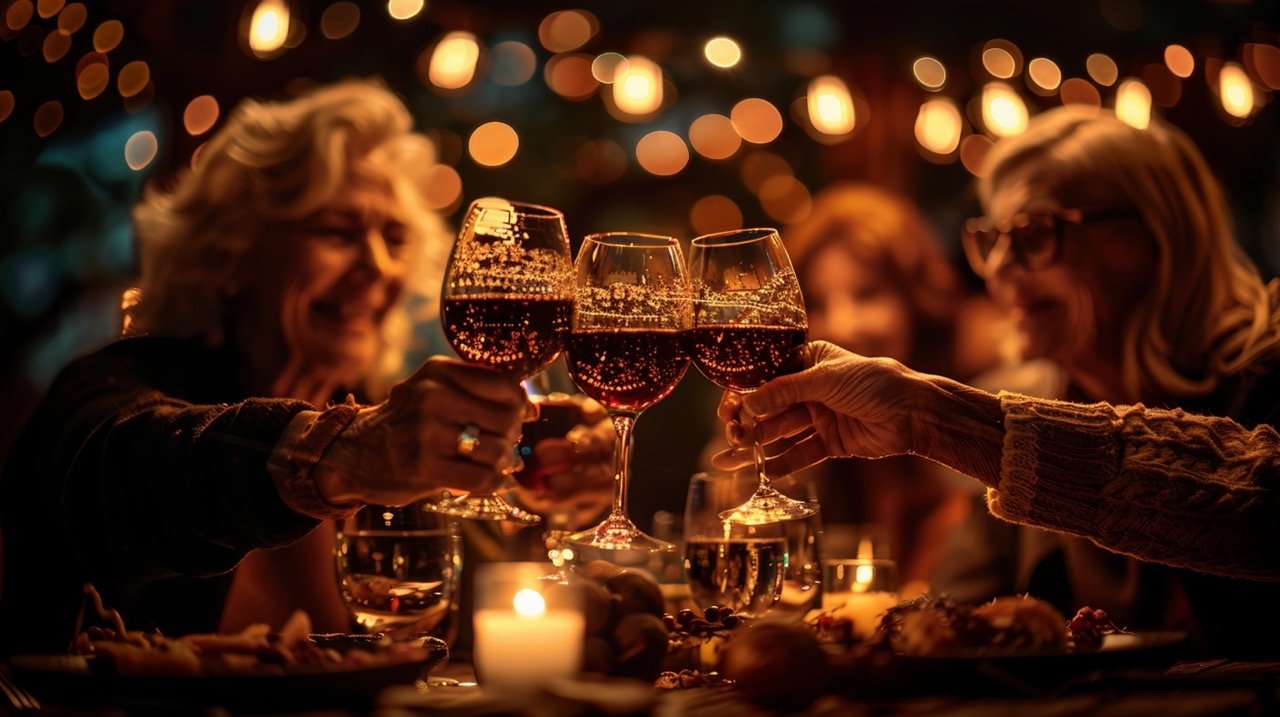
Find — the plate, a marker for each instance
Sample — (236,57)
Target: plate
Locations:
(80,679)
(1025,672)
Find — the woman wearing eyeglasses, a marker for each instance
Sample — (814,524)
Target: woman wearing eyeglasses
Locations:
(1112,248)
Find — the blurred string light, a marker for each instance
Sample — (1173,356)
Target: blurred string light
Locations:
(55,46)
(637,86)
(1102,69)
(268,28)
(453,62)
(1179,60)
(1235,91)
(567,30)
(133,78)
(756,120)
(1003,112)
(108,36)
(200,115)
(493,144)
(1001,59)
(404,9)
(49,8)
(1043,75)
(715,213)
(722,52)
(830,106)
(713,137)
(140,149)
(512,63)
(339,20)
(607,66)
(93,75)
(1133,103)
(939,126)
(72,18)
(1079,91)
(570,76)
(930,73)
(662,153)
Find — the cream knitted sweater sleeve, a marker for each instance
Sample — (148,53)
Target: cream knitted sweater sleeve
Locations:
(1161,485)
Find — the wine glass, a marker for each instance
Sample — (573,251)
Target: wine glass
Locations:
(748,317)
(506,304)
(399,571)
(627,351)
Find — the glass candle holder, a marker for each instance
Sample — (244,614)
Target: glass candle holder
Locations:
(529,626)
(859,589)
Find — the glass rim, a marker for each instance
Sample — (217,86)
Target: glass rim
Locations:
(648,241)
(734,237)
(536,210)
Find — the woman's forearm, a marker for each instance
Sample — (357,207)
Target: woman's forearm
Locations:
(960,427)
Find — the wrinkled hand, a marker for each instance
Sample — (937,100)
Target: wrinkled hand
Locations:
(406,448)
(575,472)
(841,404)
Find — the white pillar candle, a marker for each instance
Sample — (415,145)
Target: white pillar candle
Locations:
(517,652)
(863,609)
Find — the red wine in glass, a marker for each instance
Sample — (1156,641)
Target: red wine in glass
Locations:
(627,369)
(557,415)
(743,358)
(509,332)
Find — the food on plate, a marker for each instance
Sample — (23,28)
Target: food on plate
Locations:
(939,625)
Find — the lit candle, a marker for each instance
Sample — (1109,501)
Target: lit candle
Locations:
(860,590)
(532,633)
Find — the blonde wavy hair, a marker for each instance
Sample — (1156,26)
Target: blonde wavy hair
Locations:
(1208,314)
(273,164)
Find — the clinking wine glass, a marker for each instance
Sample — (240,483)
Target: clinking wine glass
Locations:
(627,351)
(506,304)
(748,318)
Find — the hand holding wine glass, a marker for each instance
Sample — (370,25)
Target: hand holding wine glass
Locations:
(749,319)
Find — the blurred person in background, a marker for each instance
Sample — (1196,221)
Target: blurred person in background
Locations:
(1151,490)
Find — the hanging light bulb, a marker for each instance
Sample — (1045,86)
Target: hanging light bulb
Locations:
(269,27)
(1003,111)
(830,106)
(637,86)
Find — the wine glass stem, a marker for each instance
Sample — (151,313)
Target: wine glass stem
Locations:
(757,452)
(623,421)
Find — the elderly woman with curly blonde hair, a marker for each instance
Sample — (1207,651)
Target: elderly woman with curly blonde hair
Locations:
(273,280)
(1157,478)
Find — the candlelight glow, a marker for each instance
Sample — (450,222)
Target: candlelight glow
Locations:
(493,144)
(1102,69)
(1236,91)
(863,576)
(830,106)
(453,64)
(269,27)
(1179,61)
(756,120)
(1003,111)
(929,72)
(529,603)
(1044,73)
(1133,103)
(637,86)
(866,551)
(938,126)
(722,52)
(404,9)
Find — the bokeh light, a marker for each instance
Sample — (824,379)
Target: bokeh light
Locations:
(1133,103)
(930,73)
(722,52)
(1102,69)
(108,36)
(756,120)
(600,161)
(340,20)
(606,66)
(662,153)
(570,76)
(830,106)
(200,115)
(1043,74)
(443,187)
(1235,90)
(1179,60)
(268,28)
(47,118)
(404,9)
(453,62)
(493,144)
(1263,63)
(713,137)
(73,18)
(939,126)
(1079,91)
(6,104)
(785,199)
(512,63)
(759,166)
(973,153)
(56,45)
(1001,58)
(637,88)
(1003,112)
(49,8)
(18,14)
(133,78)
(140,150)
(567,30)
(715,213)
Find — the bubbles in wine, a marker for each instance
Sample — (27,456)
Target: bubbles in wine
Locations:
(513,333)
(627,369)
(743,358)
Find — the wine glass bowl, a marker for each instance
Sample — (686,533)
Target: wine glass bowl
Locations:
(507,303)
(627,351)
(748,319)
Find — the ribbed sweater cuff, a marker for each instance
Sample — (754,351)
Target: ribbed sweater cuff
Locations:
(1057,459)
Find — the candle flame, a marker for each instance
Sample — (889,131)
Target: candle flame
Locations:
(865,549)
(529,603)
(863,576)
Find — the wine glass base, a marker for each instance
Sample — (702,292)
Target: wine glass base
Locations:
(616,534)
(483,507)
(767,505)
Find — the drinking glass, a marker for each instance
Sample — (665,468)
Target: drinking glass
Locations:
(748,317)
(399,571)
(506,304)
(627,351)
(735,565)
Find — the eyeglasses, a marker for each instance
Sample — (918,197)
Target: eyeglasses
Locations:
(1034,239)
